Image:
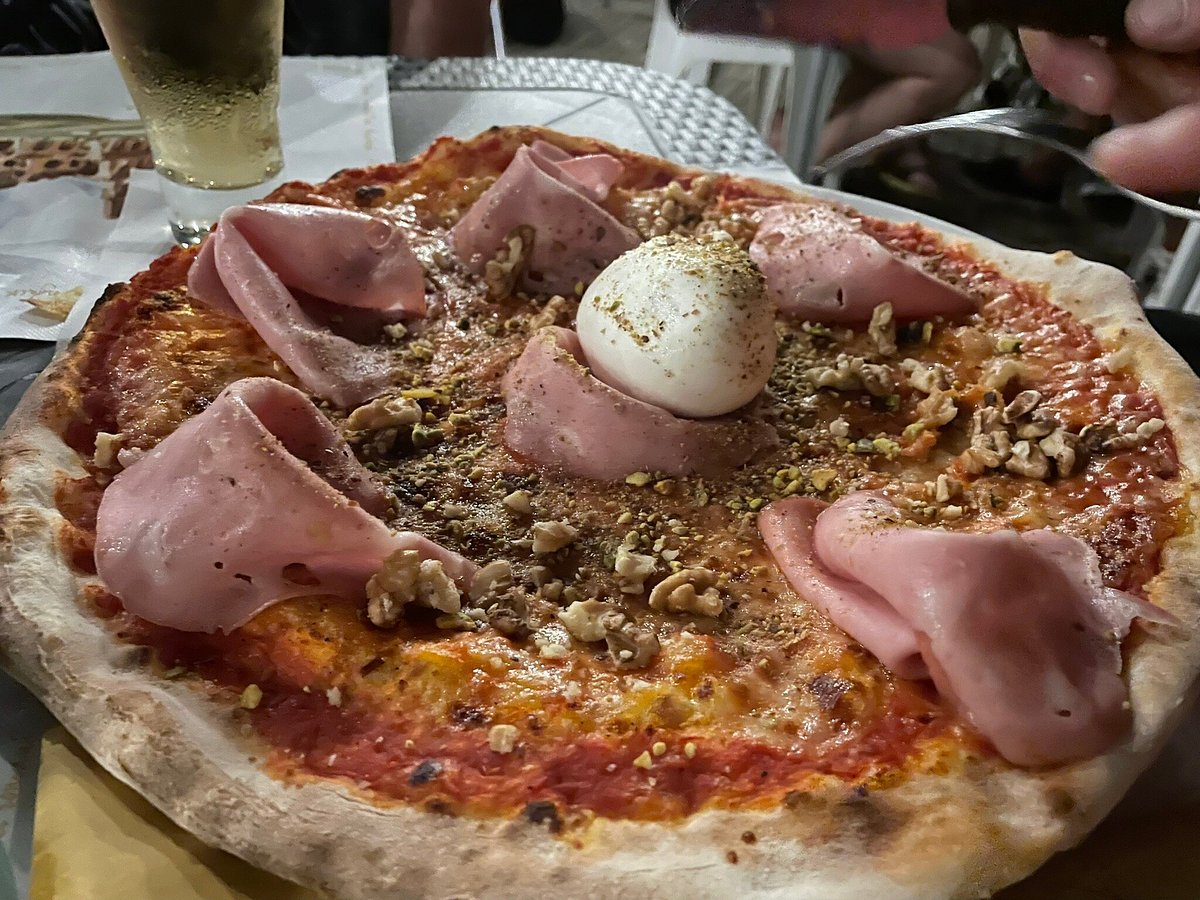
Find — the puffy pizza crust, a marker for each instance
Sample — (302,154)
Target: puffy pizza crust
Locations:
(965,835)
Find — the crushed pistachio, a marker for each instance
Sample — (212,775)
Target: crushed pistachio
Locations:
(424,437)
(251,697)
(821,478)
(689,750)
(659,748)
(639,479)
(643,760)
(1007,343)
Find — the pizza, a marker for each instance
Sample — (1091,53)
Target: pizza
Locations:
(538,516)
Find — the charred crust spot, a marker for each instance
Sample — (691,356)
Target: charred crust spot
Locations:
(439,807)
(371,666)
(425,772)
(367,194)
(731,857)
(544,812)
(468,716)
(749,837)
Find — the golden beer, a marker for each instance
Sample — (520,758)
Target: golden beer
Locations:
(205,80)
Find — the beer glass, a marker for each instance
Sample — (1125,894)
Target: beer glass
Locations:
(205,80)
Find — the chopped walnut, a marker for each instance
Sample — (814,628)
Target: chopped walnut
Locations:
(554,310)
(584,619)
(999,372)
(882,329)
(673,208)
(1022,405)
(1149,428)
(839,428)
(689,590)
(1028,459)
(632,570)
(493,578)
(520,502)
(629,646)
(107,448)
(406,578)
(503,738)
(925,379)
(502,273)
(551,536)
(1062,447)
(508,612)
(853,373)
(946,489)
(1038,424)
(987,451)
(385,412)
(937,409)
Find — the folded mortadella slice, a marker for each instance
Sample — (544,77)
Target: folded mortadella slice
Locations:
(353,263)
(1016,629)
(574,237)
(255,500)
(822,267)
(562,417)
(345,257)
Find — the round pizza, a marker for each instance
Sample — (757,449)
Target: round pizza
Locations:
(540,516)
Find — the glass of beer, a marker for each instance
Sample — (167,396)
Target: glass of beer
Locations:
(205,80)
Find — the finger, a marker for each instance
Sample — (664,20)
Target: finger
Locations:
(1073,69)
(1171,26)
(1152,83)
(1154,157)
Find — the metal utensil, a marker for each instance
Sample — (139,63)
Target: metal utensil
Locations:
(1035,125)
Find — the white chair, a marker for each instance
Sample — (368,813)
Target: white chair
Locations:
(815,75)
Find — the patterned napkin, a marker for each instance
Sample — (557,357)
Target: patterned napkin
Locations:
(61,240)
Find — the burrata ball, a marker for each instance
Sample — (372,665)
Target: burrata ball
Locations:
(684,323)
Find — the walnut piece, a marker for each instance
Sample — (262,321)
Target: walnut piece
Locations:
(584,619)
(107,448)
(502,273)
(551,536)
(882,329)
(629,646)
(406,578)
(556,308)
(1063,448)
(1028,459)
(689,590)
(999,372)
(495,577)
(853,373)
(632,570)
(503,738)
(1022,405)
(519,502)
(937,409)
(925,379)
(384,412)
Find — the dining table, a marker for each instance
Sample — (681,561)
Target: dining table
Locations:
(67,230)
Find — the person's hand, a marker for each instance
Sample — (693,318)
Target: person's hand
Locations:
(1148,88)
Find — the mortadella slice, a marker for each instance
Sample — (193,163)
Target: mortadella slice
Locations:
(357,266)
(255,500)
(562,417)
(822,267)
(574,237)
(1016,629)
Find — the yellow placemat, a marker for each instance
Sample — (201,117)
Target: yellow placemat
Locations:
(95,839)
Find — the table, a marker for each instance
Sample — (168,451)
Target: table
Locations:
(643,110)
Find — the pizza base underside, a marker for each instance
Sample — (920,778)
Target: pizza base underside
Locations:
(930,835)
